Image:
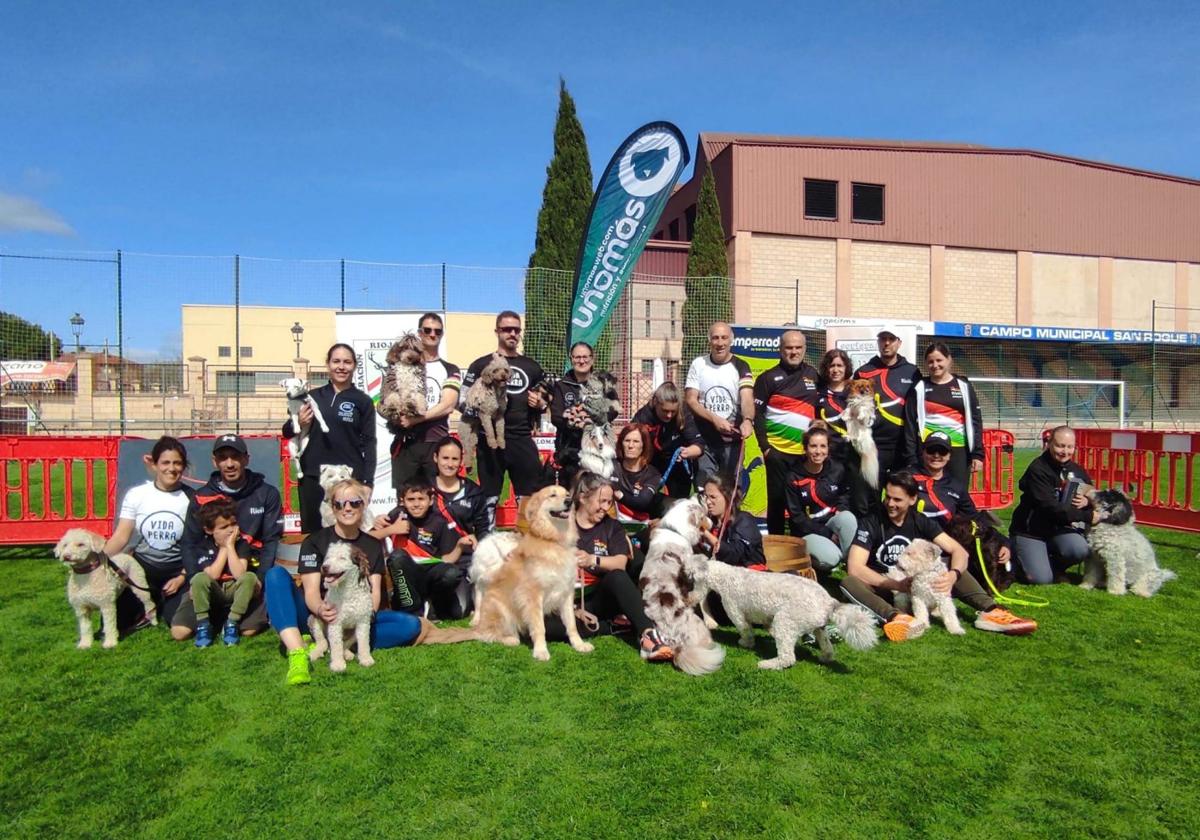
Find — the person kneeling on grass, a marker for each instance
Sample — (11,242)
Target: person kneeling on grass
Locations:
(741,543)
(220,576)
(880,541)
(425,563)
(290,606)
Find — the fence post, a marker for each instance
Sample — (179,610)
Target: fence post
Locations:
(343,280)
(120,344)
(1153,357)
(237,343)
(443,287)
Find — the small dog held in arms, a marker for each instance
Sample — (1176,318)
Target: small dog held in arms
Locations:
(402,393)
(668,593)
(297,398)
(331,475)
(346,575)
(860,419)
(602,404)
(537,580)
(1122,559)
(96,581)
(922,563)
(789,604)
(484,405)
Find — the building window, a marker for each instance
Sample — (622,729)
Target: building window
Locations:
(867,200)
(674,230)
(647,367)
(690,216)
(246,352)
(647,334)
(224,352)
(820,199)
(233,382)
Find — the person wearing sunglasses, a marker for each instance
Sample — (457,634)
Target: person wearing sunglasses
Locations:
(519,457)
(289,606)
(415,437)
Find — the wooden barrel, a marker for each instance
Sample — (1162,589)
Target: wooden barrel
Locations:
(787,554)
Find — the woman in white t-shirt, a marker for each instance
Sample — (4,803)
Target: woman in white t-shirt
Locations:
(150,527)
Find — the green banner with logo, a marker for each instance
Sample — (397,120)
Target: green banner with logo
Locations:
(629,200)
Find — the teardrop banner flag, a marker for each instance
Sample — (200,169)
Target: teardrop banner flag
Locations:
(629,200)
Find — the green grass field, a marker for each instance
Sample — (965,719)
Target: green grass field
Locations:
(1086,728)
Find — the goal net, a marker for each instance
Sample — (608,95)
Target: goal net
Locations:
(1029,405)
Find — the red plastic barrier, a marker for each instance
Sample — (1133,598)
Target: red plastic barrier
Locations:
(1155,469)
(992,486)
(41,459)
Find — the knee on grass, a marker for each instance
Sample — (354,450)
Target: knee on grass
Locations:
(181,632)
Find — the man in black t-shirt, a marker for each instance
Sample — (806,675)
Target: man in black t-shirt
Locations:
(519,457)
(883,538)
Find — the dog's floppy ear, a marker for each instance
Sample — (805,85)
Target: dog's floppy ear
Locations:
(97,542)
(61,546)
(364,565)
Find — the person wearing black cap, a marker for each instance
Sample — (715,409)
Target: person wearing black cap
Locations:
(939,494)
(259,520)
(892,376)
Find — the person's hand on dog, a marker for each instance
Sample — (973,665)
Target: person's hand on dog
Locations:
(306,416)
(328,612)
(943,584)
(172,586)
(723,426)
(535,400)
(1095,517)
(406,422)
(1079,500)
(1004,554)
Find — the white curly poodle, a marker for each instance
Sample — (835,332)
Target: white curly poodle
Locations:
(922,564)
(346,575)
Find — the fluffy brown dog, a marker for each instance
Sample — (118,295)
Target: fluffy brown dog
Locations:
(484,405)
(402,392)
(537,580)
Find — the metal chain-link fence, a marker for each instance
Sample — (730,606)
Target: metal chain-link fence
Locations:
(142,344)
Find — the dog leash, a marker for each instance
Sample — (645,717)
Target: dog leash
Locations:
(1033,601)
(737,483)
(587,619)
(670,466)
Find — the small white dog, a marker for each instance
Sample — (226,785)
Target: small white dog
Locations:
(1122,558)
(298,397)
(791,605)
(332,474)
(669,594)
(402,393)
(489,556)
(94,584)
(922,563)
(347,578)
(860,420)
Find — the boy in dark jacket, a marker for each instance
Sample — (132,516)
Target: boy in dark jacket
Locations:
(222,576)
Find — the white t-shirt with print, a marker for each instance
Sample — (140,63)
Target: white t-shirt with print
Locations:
(158,523)
(720,388)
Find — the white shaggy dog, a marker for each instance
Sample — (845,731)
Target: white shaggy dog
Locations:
(860,419)
(298,397)
(791,605)
(601,404)
(332,474)
(402,393)
(489,556)
(346,575)
(95,583)
(668,591)
(922,563)
(1122,558)
(598,452)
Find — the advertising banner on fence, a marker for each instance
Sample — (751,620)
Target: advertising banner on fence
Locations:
(629,199)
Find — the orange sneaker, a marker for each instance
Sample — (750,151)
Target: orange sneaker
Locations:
(1000,620)
(898,628)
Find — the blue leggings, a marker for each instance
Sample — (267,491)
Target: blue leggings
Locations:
(286,608)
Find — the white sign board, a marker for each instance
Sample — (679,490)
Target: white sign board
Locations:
(860,344)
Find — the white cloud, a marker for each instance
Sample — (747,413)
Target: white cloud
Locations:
(24,214)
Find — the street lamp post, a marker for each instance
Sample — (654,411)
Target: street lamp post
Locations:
(297,336)
(77,328)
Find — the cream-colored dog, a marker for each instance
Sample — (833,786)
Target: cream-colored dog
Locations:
(94,583)
(922,563)
(346,575)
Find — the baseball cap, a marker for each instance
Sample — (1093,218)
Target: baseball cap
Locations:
(233,442)
(886,334)
(938,440)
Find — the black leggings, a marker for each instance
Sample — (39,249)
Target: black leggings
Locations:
(415,583)
(614,594)
(311,496)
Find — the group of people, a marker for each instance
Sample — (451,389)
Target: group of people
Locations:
(210,553)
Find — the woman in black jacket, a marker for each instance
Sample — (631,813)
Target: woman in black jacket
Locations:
(741,544)
(1054,513)
(350,416)
(461,501)
(944,402)
(672,430)
(818,500)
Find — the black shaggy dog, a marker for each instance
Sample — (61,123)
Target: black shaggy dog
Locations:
(965,530)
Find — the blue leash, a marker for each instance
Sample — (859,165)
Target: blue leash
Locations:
(671,465)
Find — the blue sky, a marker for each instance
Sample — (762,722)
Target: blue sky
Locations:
(420,132)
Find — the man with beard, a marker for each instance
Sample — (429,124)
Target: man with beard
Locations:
(892,376)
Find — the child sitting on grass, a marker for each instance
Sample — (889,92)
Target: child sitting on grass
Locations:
(424,566)
(222,574)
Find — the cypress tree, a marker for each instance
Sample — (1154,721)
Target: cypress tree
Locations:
(708,288)
(566,200)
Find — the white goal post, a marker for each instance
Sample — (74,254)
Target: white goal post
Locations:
(1112,383)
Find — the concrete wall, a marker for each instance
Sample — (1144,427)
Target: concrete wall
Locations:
(979,286)
(889,280)
(1135,283)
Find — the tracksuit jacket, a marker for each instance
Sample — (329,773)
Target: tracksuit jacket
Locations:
(350,417)
(259,518)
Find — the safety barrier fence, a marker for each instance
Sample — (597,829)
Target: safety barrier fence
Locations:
(1155,469)
(992,486)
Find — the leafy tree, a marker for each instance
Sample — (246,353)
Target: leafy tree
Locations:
(566,200)
(21,340)
(708,288)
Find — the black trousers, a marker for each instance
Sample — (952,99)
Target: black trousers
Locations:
(519,458)
(311,496)
(614,594)
(129,608)
(415,583)
(411,459)
(779,467)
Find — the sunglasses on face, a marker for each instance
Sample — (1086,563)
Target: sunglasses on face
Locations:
(513,330)
(432,330)
(351,504)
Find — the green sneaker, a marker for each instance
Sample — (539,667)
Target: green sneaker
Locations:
(298,670)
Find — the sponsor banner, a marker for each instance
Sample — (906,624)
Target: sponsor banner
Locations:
(1090,334)
(371,334)
(16,371)
(629,200)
